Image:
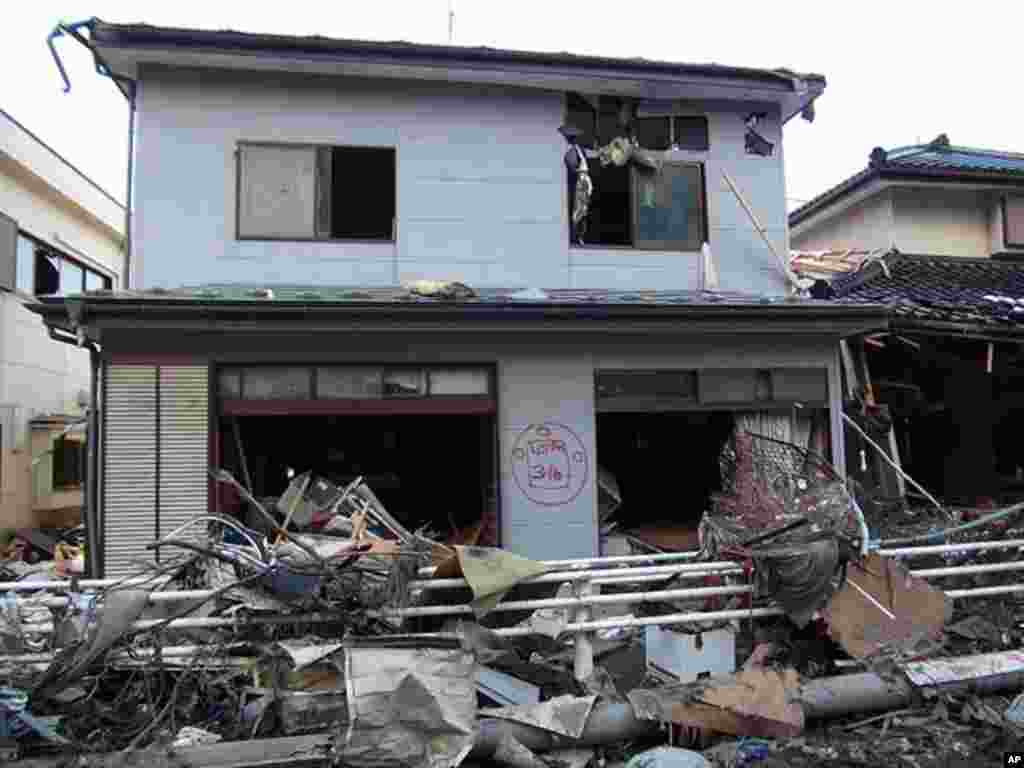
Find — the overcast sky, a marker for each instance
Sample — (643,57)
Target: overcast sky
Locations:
(898,72)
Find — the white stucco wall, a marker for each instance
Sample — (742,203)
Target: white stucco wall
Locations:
(481,187)
(943,222)
(38,375)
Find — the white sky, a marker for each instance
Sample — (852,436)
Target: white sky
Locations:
(898,72)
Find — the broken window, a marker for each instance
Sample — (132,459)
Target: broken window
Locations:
(44,271)
(68,463)
(288,192)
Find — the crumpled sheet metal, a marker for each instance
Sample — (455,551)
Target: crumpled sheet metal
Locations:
(408,707)
(120,609)
(800,579)
(564,715)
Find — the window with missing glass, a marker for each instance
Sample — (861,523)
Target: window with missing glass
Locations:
(309,192)
(42,270)
(68,463)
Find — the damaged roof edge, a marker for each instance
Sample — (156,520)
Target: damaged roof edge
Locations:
(143,36)
(811,318)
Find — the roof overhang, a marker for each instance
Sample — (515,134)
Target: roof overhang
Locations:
(871,182)
(88,319)
(126,48)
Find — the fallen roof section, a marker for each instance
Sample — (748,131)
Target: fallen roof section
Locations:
(941,292)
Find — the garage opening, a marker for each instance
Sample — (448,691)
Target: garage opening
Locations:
(423,440)
(661,436)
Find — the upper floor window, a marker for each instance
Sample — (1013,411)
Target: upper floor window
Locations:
(303,192)
(42,270)
(1013,222)
(625,188)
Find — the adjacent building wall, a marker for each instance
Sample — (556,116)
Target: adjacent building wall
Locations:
(867,225)
(544,380)
(942,222)
(52,202)
(481,184)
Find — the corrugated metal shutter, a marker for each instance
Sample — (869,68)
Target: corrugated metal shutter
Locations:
(156,457)
(184,444)
(129,467)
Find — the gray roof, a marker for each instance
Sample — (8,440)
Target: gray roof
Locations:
(146,35)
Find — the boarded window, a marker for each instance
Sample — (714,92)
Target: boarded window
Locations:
(1013,218)
(277,190)
(316,193)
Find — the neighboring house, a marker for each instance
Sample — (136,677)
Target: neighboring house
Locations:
(60,234)
(294,185)
(935,232)
(934,198)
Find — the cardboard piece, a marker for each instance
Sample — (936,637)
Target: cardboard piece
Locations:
(883,608)
(755,702)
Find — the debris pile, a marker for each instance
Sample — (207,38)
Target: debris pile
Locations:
(318,629)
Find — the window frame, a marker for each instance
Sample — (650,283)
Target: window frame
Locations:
(56,450)
(1007,201)
(318,195)
(61,255)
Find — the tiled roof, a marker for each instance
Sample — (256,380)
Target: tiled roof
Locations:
(944,289)
(937,159)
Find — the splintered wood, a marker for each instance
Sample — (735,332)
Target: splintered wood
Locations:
(882,609)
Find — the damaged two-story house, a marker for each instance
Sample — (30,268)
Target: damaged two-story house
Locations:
(472,276)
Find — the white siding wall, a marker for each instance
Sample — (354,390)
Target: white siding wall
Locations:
(481,187)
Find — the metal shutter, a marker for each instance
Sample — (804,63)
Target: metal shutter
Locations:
(129,466)
(184,444)
(155,459)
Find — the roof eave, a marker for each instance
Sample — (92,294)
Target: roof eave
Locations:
(126,47)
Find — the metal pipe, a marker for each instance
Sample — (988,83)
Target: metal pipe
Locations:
(936,549)
(1004,589)
(613,559)
(92,471)
(964,570)
(560,576)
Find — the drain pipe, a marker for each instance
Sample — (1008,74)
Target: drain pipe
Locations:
(93,561)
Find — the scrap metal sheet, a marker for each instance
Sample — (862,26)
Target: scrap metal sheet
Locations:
(963,668)
(408,707)
(564,715)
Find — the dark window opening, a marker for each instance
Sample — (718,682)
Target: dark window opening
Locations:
(582,116)
(679,132)
(653,132)
(608,222)
(362,193)
(305,192)
(433,471)
(47,273)
(690,132)
(68,463)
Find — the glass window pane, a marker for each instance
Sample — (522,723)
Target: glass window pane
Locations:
(72,278)
(669,208)
(459,382)
(230,383)
(348,383)
(94,281)
(405,384)
(26,265)
(647,384)
(277,383)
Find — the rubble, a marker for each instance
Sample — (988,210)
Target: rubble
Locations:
(329,632)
